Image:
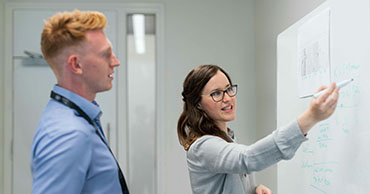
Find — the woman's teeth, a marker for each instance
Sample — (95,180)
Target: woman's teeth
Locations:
(227,108)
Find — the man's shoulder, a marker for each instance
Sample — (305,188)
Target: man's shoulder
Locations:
(57,118)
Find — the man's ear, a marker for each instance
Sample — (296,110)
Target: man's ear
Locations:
(74,65)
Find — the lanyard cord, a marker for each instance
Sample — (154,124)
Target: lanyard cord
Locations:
(65,101)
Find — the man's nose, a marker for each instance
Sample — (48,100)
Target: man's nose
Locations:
(115,61)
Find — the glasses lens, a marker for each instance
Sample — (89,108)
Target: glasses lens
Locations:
(218,97)
(232,91)
(235,89)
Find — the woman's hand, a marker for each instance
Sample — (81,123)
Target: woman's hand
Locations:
(320,108)
(261,189)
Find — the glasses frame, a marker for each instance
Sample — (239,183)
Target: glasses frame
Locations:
(223,93)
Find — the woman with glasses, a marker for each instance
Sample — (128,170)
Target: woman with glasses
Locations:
(216,163)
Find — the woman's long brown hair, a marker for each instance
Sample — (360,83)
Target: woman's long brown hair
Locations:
(194,122)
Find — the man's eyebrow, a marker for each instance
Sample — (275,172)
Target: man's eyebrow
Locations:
(106,50)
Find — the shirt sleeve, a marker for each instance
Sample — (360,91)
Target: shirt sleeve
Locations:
(214,154)
(61,162)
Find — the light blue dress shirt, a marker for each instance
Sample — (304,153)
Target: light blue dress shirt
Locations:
(67,155)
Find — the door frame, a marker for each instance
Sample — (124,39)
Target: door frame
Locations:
(122,9)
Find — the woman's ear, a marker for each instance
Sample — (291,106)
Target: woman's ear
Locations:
(199,106)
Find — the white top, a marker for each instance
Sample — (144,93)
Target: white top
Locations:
(217,167)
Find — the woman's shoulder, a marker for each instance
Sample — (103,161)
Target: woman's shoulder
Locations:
(207,142)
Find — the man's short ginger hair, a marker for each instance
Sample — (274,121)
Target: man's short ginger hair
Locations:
(68,29)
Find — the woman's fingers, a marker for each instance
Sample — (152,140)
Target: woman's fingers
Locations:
(320,109)
(321,88)
(261,189)
(325,105)
(332,100)
(325,95)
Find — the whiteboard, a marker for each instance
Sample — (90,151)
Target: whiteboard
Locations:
(336,158)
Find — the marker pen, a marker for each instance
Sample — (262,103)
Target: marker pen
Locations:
(339,85)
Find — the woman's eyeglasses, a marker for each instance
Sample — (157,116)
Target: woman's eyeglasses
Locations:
(219,95)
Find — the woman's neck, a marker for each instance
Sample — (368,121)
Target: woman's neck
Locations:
(222,126)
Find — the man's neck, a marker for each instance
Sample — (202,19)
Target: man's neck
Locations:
(80,90)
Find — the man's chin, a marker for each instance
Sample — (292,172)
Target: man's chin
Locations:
(105,89)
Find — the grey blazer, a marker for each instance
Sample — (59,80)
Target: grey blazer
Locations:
(218,167)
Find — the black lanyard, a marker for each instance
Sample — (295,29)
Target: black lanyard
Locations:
(72,105)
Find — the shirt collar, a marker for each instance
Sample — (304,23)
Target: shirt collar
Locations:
(92,109)
(230,133)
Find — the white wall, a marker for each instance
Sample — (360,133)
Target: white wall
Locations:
(198,32)
(272,17)
(1,93)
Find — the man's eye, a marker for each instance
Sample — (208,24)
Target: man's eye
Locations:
(107,55)
(216,93)
(229,89)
